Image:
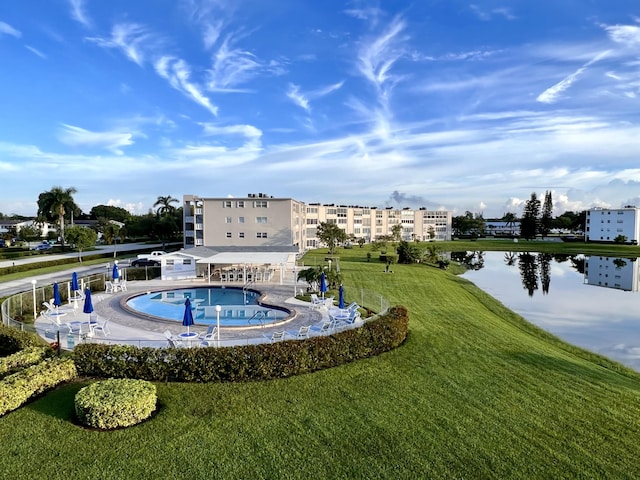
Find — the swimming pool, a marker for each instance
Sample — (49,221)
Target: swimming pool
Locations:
(239,307)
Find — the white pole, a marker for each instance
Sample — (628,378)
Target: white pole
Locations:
(218,308)
(35,313)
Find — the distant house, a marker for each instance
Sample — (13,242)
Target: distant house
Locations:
(609,224)
(502,229)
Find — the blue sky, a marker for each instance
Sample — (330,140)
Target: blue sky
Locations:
(436,103)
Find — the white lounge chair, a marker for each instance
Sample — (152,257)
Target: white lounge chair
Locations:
(316,302)
(326,328)
(276,336)
(173,341)
(302,333)
(210,338)
(100,327)
(109,287)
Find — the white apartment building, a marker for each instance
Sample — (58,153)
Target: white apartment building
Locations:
(606,224)
(257,220)
(262,220)
(611,272)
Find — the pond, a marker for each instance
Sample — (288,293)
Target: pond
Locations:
(589,301)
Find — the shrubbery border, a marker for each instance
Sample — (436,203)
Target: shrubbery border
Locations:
(246,362)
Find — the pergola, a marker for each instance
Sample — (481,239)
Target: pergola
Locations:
(249,260)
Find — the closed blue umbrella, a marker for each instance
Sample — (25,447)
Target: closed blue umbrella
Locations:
(323,284)
(74,282)
(57,301)
(341,297)
(88,305)
(116,273)
(187,319)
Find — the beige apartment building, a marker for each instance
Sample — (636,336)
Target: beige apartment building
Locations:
(260,220)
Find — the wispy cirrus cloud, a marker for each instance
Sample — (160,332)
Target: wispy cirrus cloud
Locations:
(80,137)
(78,12)
(134,40)
(553,93)
(627,35)
(302,99)
(178,73)
(489,14)
(35,51)
(6,29)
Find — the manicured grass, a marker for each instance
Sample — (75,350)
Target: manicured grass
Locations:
(475,392)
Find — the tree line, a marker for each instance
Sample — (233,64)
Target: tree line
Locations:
(57,206)
(537,219)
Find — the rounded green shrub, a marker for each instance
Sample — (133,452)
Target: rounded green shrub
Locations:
(115,403)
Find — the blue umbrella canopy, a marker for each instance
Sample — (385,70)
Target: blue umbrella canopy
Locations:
(57,301)
(187,319)
(74,282)
(88,305)
(323,283)
(341,297)
(116,273)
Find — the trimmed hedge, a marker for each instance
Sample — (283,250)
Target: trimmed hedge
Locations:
(13,340)
(246,362)
(115,403)
(18,388)
(24,358)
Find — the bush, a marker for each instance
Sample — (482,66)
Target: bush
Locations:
(12,340)
(115,403)
(24,358)
(18,388)
(247,362)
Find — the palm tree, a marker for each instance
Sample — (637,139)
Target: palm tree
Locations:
(510,220)
(54,204)
(164,205)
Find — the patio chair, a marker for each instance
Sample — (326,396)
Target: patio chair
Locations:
(109,287)
(101,327)
(173,341)
(326,328)
(316,302)
(276,336)
(210,337)
(302,333)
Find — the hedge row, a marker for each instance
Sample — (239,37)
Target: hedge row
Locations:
(24,358)
(247,362)
(13,340)
(16,389)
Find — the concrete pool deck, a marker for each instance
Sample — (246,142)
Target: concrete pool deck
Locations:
(129,329)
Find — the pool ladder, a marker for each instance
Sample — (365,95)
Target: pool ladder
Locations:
(259,316)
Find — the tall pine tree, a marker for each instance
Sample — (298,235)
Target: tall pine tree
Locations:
(530,218)
(546,220)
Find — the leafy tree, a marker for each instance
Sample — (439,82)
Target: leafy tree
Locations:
(408,252)
(311,276)
(361,242)
(165,228)
(431,232)
(396,232)
(331,235)
(546,220)
(530,218)
(529,272)
(54,204)
(468,224)
(30,233)
(111,232)
(164,205)
(82,237)
(109,212)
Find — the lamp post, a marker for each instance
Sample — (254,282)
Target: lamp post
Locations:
(33,283)
(218,308)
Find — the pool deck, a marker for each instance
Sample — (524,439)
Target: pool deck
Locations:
(129,329)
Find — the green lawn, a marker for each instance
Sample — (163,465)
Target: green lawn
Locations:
(475,392)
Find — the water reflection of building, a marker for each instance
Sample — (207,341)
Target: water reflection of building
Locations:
(612,272)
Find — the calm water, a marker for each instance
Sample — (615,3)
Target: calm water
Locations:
(592,302)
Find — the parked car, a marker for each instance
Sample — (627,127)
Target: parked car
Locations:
(3,243)
(145,262)
(42,247)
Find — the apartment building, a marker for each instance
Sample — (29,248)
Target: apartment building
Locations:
(607,224)
(257,220)
(260,220)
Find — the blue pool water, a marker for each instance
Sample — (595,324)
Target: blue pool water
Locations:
(239,308)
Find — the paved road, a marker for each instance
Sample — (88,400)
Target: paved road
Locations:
(14,286)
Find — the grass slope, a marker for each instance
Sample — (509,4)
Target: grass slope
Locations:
(475,392)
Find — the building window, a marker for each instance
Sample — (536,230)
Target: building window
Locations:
(261,235)
(261,219)
(240,204)
(260,204)
(228,234)
(186,261)
(227,219)
(241,235)
(240,219)
(226,204)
